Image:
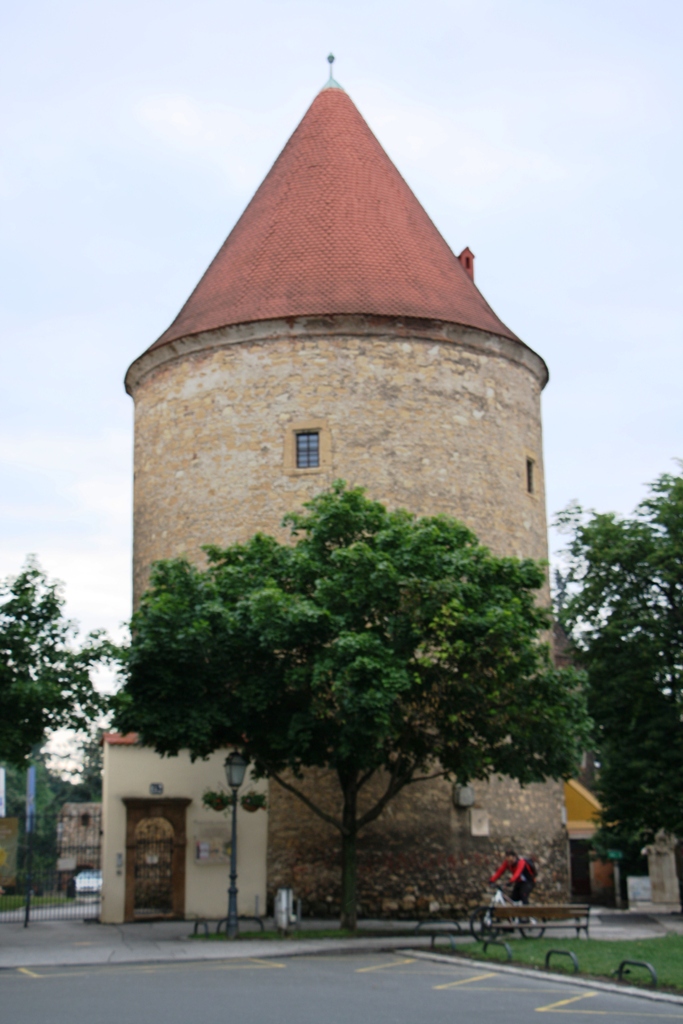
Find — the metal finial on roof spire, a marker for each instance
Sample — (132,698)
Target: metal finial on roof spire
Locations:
(331,84)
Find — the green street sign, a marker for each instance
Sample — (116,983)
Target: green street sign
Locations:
(615,854)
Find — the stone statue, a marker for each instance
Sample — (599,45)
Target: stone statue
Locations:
(661,861)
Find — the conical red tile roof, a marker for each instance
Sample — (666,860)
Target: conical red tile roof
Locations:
(334,228)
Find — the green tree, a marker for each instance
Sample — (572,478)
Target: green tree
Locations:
(624,611)
(87,778)
(375,643)
(45,679)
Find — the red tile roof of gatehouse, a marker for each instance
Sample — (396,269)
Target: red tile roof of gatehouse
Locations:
(333,228)
(117,739)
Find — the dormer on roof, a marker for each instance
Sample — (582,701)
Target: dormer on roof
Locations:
(466,259)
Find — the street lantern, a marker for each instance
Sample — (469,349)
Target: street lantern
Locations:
(235,770)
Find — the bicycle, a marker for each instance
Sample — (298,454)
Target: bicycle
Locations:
(483,923)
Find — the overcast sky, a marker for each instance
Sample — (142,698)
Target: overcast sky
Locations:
(544,134)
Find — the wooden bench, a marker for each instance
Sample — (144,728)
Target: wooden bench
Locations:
(533,919)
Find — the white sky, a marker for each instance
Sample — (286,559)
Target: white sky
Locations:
(545,135)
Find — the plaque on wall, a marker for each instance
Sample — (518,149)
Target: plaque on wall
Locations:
(479,822)
(211,842)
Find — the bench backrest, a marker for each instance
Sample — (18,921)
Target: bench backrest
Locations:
(546,913)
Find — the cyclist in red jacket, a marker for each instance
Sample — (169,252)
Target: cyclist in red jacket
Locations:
(522,878)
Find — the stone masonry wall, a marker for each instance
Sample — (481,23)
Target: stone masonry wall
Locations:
(437,419)
(419,858)
(431,417)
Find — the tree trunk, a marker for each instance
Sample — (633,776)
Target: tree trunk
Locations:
(348,899)
(348,888)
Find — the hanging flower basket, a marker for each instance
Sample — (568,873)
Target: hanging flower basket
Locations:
(253,801)
(217,800)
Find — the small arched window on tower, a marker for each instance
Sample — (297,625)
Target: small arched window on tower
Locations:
(530,482)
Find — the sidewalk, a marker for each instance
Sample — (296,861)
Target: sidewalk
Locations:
(73,943)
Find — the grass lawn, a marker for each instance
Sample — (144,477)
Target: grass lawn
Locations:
(596,956)
(14,902)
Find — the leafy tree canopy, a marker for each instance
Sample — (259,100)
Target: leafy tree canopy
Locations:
(375,641)
(45,679)
(624,610)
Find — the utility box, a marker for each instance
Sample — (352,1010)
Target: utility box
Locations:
(284,909)
(463,796)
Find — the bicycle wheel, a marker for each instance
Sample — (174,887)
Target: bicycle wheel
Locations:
(530,928)
(481,923)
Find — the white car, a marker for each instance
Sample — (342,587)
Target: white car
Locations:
(88,882)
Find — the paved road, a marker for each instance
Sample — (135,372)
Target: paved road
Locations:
(345,989)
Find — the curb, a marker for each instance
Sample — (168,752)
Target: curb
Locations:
(183,952)
(537,972)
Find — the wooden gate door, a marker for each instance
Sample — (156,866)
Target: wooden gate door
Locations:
(155,858)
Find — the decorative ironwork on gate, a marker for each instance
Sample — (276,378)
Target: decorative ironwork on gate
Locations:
(154,839)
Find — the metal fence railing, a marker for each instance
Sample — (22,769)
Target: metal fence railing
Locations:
(55,873)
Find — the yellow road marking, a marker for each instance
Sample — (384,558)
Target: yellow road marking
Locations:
(250,963)
(464,981)
(558,1008)
(620,1014)
(564,1002)
(380,967)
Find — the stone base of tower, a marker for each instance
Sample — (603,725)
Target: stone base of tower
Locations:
(420,858)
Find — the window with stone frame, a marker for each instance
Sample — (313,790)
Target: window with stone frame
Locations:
(307,449)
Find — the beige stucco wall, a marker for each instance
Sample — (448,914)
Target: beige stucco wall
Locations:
(435,418)
(128,772)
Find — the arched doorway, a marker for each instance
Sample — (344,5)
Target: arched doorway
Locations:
(155,858)
(153,895)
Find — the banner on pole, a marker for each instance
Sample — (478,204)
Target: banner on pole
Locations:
(9,841)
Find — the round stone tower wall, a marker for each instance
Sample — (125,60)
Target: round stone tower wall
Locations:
(429,416)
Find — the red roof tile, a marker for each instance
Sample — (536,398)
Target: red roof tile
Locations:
(334,228)
(117,739)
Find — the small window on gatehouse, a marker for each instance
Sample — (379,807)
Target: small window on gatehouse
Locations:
(530,483)
(307,449)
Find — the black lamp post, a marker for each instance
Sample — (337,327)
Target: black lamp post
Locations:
(235,769)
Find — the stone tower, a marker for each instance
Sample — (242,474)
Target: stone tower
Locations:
(336,334)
